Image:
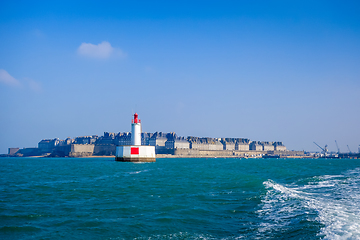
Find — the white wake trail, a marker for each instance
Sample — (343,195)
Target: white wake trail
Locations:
(333,201)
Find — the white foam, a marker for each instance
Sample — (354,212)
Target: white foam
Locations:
(137,172)
(335,199)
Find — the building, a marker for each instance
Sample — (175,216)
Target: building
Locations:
(241,146)
(255,146)
(175,142)
(267,146)
(123,139)
(205,143)
(228,143)
(145,138)
(48,145)
(86,139)
(158,140)
(67,141)
(279,146)
(107,139)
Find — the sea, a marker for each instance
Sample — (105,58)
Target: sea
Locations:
(179,198)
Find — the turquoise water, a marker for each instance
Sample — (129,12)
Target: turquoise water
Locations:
(98,198)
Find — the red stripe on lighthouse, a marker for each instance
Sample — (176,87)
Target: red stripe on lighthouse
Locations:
(134,150)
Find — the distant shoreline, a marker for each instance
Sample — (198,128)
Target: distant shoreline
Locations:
(165,156)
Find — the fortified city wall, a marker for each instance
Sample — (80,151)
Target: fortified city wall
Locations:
(188,153)
(165,144)
(104,150)
(81,150)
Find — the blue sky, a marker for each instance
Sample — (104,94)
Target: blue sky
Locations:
(265,70)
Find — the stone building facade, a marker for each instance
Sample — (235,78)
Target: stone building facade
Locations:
(256,146)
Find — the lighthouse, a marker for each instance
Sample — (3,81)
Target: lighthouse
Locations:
(136,131)
(135,152)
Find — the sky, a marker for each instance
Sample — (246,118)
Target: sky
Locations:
(265,70)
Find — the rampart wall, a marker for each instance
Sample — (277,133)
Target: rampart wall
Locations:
(81,150)
(104,150)
(225,153)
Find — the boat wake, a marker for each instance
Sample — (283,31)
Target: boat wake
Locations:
(331,201)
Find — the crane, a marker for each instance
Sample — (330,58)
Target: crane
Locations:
(337,147)
(324,149)
(348,148)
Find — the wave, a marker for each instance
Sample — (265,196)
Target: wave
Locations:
(137,172)
(332,201)
(187,235)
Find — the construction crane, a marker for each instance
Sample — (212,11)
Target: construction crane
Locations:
(324,149)
(348,148)
(337,147)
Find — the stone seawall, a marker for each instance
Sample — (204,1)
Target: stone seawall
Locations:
(104,150)
(195,153)
(81,150)
(87,150)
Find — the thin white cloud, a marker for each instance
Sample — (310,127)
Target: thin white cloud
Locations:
(33,85)
(7,79)
(102,50)
(26,83)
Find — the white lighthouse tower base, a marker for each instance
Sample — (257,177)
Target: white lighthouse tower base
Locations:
(135,152)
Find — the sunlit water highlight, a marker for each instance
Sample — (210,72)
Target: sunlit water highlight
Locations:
(98,198)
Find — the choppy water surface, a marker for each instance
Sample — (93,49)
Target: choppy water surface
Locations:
(179,199)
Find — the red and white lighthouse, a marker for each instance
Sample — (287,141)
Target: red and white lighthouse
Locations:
(135,152)
(136,131)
